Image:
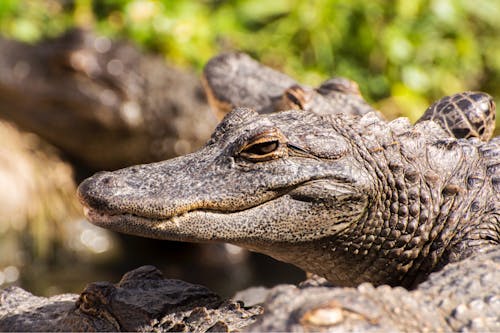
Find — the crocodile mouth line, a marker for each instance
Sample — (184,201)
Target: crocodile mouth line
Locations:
(152,227)
(137,225)
(90,213)
(102,217)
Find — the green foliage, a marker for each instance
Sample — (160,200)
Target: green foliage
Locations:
(403,53)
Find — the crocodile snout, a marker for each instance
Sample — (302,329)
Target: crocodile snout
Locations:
(105,191)
(94,192)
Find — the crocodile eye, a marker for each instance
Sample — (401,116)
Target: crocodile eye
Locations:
(263,147)
(294,97)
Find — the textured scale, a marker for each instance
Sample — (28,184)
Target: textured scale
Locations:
(236,80)
(397,235)
(463,297)
(464,115)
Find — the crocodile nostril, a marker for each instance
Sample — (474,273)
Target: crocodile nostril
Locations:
(106,180)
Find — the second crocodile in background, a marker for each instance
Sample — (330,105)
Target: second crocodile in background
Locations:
(351,199)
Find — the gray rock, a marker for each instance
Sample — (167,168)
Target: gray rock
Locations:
(142,301)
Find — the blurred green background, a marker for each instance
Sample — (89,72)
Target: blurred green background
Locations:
(404,54)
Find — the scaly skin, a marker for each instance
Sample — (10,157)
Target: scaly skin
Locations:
(351,199)
(236,80)
(464,115)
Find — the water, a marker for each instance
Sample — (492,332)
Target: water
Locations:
(224,269)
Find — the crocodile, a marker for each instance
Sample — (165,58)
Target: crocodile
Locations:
(352,199)
(234,79)
(462,297)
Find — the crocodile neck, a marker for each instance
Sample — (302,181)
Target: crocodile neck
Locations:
(426,213)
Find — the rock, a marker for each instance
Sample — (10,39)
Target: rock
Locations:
(142,301)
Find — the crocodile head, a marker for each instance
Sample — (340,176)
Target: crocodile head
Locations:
(264,182)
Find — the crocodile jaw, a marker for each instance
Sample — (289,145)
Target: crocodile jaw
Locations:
(278,223)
